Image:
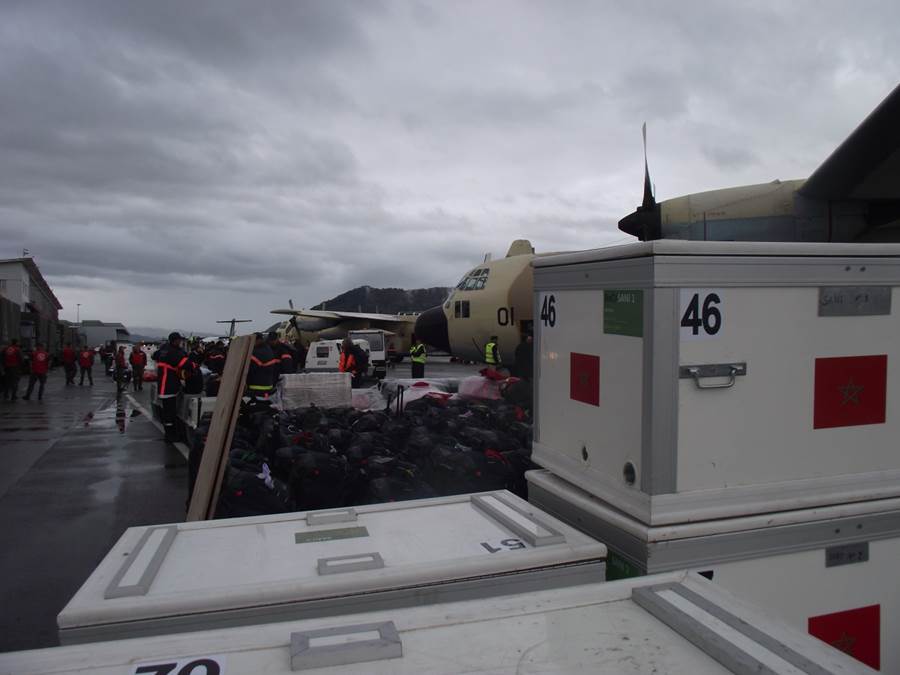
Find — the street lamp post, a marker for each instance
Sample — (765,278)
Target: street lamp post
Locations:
(78,313)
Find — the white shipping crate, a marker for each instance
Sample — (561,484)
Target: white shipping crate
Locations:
(193,576)
(324,390)
(831,570)
(196,408)
(675,623)
(681,381)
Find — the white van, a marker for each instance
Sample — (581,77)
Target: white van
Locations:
(325,355)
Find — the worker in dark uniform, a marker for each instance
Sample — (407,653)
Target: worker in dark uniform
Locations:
(263,371)
(492,353)
(193,380)
(524,363)
(215,358)
(40,366)
(171,363)
(418,357)
(86,364)
(12,365)
(138,361)
(69,360)
(284,354)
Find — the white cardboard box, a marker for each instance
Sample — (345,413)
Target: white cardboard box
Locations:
(683,381)
(194,576)
(325,390)
(674,623)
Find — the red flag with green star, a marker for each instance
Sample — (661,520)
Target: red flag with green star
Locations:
(584,378)
(854,631)
(849,391)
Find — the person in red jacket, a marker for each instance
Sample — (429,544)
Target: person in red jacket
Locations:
(86,363)
(69,358)
(121,368)
(40,366)
(138,361)
(12,364)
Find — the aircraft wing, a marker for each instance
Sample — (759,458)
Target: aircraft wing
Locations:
(341,316)
(866,166)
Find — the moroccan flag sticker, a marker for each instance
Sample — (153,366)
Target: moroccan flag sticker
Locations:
(856,632)
(849,391)
(584,378)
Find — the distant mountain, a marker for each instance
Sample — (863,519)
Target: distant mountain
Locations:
(386,300)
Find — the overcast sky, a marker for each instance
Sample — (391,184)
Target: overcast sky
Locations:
(171,163)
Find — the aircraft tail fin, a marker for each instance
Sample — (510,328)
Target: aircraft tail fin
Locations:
(520,247)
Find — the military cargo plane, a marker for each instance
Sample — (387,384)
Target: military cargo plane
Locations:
(309,325)
(493,298)
(853,196)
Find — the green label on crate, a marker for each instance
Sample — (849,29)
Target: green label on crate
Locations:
(619,568)
(330,535)
(623,312)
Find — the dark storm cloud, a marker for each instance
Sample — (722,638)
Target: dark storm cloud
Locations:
(173,162)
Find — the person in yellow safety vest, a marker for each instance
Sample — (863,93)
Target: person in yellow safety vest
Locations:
(263,371)
(492,353)
(418,356)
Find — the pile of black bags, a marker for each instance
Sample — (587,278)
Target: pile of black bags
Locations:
(316,459)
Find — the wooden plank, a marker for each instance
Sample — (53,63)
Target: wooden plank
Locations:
(221,430)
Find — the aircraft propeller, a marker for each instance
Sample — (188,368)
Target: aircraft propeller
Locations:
(646,221)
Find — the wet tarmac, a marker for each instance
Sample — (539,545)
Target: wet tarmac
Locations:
(79,468)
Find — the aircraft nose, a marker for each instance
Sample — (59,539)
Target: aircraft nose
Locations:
(431,328)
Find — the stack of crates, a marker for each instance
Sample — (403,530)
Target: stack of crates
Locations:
(731,408)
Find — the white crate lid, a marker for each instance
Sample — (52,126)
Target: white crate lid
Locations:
(673,623)
(184,569)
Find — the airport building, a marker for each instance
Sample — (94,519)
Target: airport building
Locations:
(96,333)
(29,311)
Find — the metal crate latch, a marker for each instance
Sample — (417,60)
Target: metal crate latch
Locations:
(711,370)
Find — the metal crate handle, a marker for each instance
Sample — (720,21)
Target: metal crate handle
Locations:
(345,645)
(698,373)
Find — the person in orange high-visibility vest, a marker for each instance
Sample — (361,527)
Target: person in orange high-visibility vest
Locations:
(171,362)
(349,362)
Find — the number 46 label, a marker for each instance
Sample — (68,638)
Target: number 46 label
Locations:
(702,313)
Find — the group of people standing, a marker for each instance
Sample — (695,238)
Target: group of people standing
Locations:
(15,362)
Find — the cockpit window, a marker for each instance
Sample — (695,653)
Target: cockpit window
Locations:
(474,280)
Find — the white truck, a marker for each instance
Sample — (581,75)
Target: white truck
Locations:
(378,348)
(325,355)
